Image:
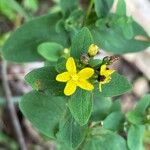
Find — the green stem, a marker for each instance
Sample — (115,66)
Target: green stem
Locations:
(89,8)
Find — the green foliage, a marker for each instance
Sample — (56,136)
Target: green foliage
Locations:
(121,8)
(113,38)
(102,7)
(23,43)
(101,107)
(138,115)
(31,4)
(50,51)
(9,8)
(104,140)
(44,79)
(81,42)
(61,65)
(135,137)
(87,120)
(80,105)
(70,132)
(118,86)
(68,6)
(5,139)
(44,111)
(114,121)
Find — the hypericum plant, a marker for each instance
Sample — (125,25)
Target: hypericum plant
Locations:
(71,98)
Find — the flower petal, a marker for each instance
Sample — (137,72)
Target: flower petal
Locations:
(86,73)
(83,84)
(70,88)
(70,65)
(63,77)
(105,71)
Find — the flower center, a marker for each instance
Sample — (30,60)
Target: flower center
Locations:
(101,78)
(75,77)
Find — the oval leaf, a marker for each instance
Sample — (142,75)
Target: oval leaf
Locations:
(104,140)
(44,111)
(81,42)
(50,51)
(22,44)
(80,105)
(117,86)
(114,121)
(70,132)
(44,79)
(135,137)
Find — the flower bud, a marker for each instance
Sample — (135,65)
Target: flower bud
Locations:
(93,50)
(66,51)
(84,59)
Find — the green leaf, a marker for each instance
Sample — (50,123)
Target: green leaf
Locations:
(121,8)
(114,121)
(81,42)
(68,6)
(44,111)
(143,104)
(61,65)
(135,117)
(70,132)
(102,139)
(80,105)
(138,115)
(101,106)
(44,79)
(111,37)
(126,25)
(31,5)
(7,10)
(102,7)
(116,106)
(22,44)
(13,5)
(95,62)
(117,86)
(135,137)
(50,51)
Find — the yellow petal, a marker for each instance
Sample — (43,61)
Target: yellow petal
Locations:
(86,73)
(83,84)
(70,88)
(70,65)
(63,77)
(105,71)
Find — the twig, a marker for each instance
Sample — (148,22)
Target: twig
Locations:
(88,11)
(11,108)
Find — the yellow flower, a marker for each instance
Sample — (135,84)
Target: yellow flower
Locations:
(75,79)
(105,76)
(93,49)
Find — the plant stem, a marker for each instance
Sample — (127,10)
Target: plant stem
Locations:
(11,107)
(89,9)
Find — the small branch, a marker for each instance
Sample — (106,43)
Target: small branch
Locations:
(11,108)
(89,10)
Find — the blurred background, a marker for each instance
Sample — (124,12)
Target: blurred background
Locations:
(135,66)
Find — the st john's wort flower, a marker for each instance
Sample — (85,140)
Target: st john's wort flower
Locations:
(104,76)
(75,79)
